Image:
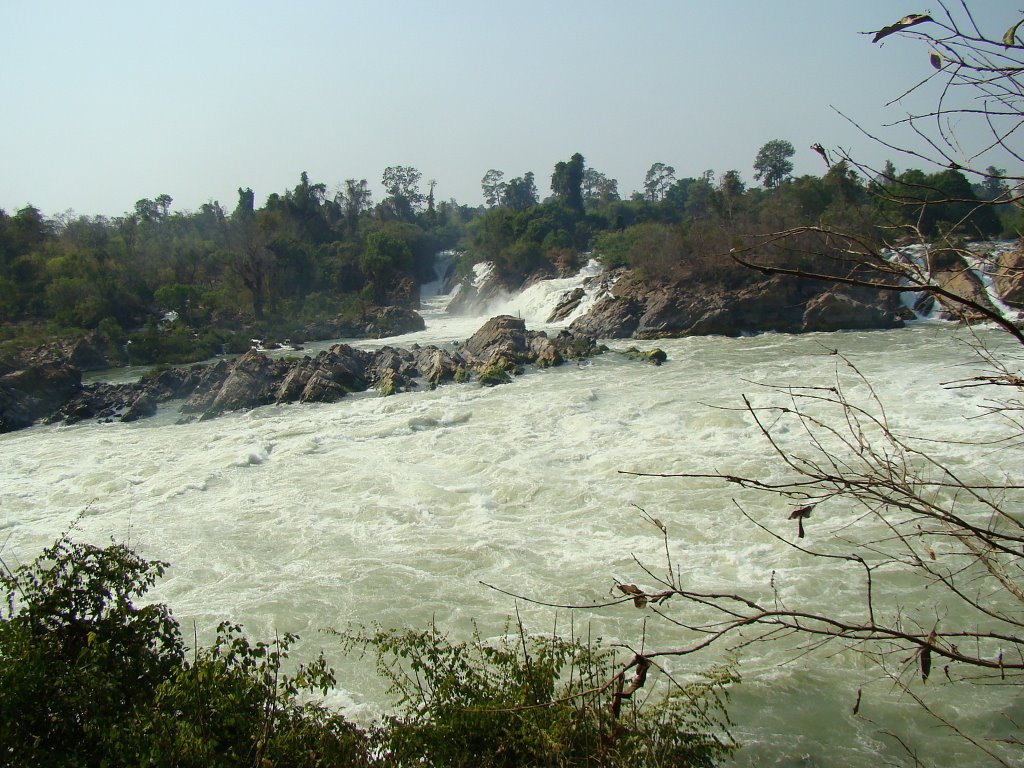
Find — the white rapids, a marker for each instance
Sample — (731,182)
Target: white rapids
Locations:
(397,510)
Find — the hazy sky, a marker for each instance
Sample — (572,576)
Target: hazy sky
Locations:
(105,102)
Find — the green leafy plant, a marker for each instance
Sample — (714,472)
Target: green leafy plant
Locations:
(526,700)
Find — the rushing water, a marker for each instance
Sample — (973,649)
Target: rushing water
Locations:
(394,510)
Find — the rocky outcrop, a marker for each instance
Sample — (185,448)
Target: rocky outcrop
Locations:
(475,296)
(1009,277)
(649,309)
(504,341)
(33,393)
(502,347)
(378,323)
(568,304)
(840,311)
(950,272)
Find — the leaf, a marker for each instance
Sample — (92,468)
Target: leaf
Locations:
(639,600)
(936,59)
(904,23)
(802,512)
(1010,38)
(926,657)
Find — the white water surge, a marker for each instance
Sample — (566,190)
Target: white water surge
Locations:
(393,510)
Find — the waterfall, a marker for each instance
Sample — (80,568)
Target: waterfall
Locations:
(980,265)
(536,304)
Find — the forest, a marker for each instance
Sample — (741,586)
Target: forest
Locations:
(160,285)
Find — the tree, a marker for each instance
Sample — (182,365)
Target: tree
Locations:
(772,165)
(521,192)
(493,185)
(354,198)
(567,181)
(598,189)
(659,179)
(401,182)
(252,261)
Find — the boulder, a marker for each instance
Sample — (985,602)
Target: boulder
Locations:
(294,383)
(475,294)
(320,387)
(326,378)
(837,311)
(252,382)
(652,309)
(206,386)
(1009,277)
(393,321)
(950,272)
(28,395)
(567,305)
(438,365)
(500,338)
(89,354)
(144,405)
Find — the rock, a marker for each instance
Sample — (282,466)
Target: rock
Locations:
(252,382)
(543,352)
(650,309)
(612,317)
(438,365)
(492,375)
(394,321)
(654,356)
(320,387)
(144,405)
(574,346)
(28,395)
(837,311)
(503,336)
(327,378)
(1009,276)
(207,385)
(89,354)
(392,382)
(567,305)
(950,272)
(295,382)
(477,293)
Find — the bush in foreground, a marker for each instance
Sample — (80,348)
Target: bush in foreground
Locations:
(88,678)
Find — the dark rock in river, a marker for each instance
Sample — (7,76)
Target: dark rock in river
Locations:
(28,395)
(567,305)
(951,273)
(502,346)
(651,309)
(504,340)
(438,365)
(1009,276)
(252,382)
(838,311)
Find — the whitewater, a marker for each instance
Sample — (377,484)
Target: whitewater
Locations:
(397,511)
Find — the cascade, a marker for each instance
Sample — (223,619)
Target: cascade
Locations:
(979,265)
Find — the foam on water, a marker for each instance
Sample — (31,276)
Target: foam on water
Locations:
(394,510)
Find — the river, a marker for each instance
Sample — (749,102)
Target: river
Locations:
(393,510)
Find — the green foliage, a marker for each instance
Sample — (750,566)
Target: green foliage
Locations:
(536,701)
(773,165)
(77,657)
(90,678)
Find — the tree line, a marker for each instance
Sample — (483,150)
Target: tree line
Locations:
(185,284)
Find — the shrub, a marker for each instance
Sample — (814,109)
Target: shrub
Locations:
(88,678)
(536,701)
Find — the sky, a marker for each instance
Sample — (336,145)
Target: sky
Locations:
(105,103)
